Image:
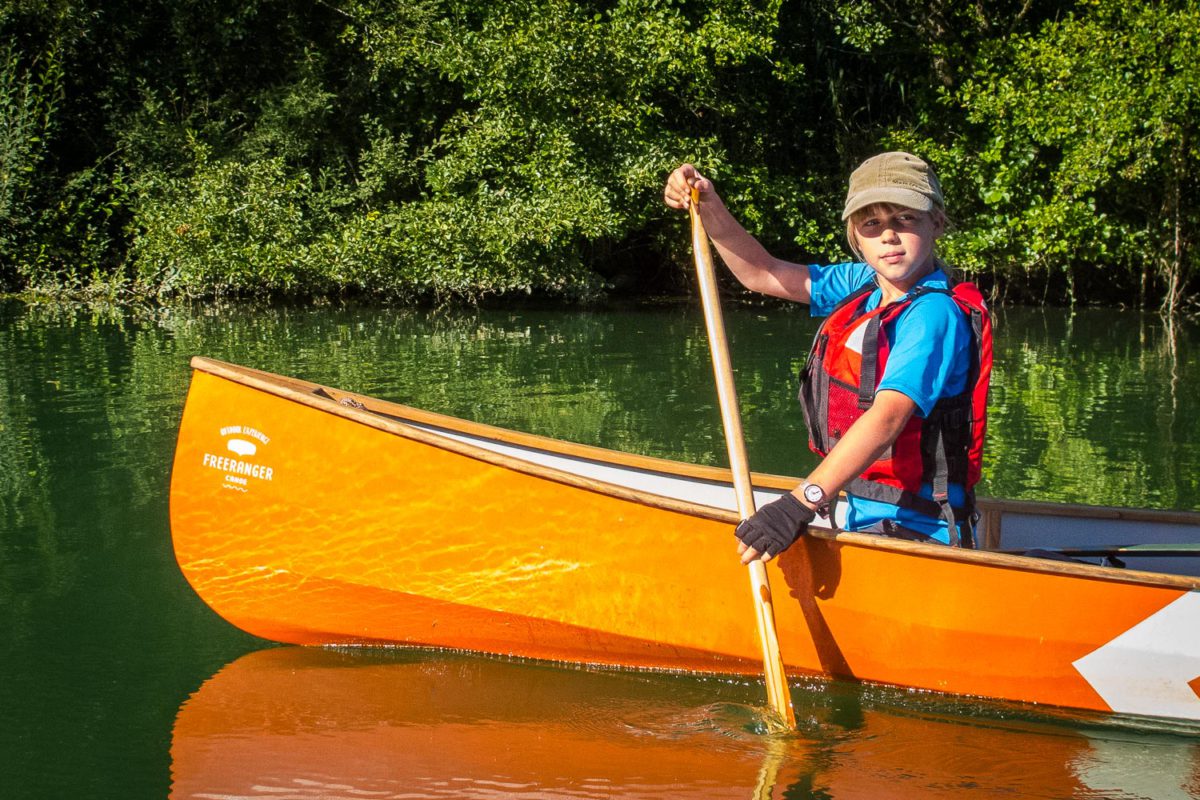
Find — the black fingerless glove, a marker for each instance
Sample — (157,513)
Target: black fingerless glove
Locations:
(774,527)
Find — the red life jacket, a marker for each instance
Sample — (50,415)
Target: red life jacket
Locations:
(839,382)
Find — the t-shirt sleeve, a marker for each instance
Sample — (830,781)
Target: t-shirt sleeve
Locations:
(829,285)
(930,354)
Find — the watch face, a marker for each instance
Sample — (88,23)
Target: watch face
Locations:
(813,493)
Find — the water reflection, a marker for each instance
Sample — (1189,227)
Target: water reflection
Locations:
(102,629)
(1085,407)
(300,722)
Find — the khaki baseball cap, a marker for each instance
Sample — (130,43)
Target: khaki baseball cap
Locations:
(901,179)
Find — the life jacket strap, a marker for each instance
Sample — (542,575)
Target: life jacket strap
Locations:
(941,484)
(869,370)
(961,534)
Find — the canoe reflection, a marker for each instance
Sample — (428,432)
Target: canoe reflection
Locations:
(303,722)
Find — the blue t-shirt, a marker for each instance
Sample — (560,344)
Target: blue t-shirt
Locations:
(929,359)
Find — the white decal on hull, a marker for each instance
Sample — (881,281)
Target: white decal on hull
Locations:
(1154,667)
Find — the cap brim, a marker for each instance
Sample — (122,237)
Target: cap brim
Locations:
(894,195)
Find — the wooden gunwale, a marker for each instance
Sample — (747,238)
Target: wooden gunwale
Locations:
(303,392)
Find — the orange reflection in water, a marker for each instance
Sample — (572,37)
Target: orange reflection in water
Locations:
(304,723)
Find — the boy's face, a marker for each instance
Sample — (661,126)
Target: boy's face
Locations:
(898,242)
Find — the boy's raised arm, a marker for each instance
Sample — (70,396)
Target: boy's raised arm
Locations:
(745,256)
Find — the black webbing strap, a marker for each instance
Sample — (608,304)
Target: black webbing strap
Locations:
(870,363)
(941,483)
(977,324)
(970,521)
(881,492)
(976,317)
(873,490)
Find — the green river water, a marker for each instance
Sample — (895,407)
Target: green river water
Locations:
(112,669)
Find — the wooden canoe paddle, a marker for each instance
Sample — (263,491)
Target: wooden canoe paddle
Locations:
(777,690)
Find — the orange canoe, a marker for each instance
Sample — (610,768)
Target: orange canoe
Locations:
(308,515)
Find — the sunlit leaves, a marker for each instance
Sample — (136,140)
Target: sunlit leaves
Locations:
(1089,149)
(460,148)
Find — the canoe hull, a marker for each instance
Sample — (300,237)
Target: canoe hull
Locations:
(304,521)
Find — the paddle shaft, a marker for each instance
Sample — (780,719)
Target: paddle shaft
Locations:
(777,691)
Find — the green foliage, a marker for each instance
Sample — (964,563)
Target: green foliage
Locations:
(442,149)
(229,227)
(30,93)
(1083,153)
(500,149)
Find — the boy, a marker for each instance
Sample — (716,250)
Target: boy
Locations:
(895,388)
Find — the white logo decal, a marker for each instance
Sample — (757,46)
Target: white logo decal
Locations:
(241,473)
(1154,667)
(242,447)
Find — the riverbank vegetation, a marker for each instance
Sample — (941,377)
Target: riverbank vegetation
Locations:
(437,150)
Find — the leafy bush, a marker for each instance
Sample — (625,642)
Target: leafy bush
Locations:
(30,92)
(447,149)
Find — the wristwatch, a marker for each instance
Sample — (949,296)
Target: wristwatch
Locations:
(816,496)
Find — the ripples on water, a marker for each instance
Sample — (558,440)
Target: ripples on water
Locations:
(118,682)
(312,723)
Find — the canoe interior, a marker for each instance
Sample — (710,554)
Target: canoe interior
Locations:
(1024,527)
